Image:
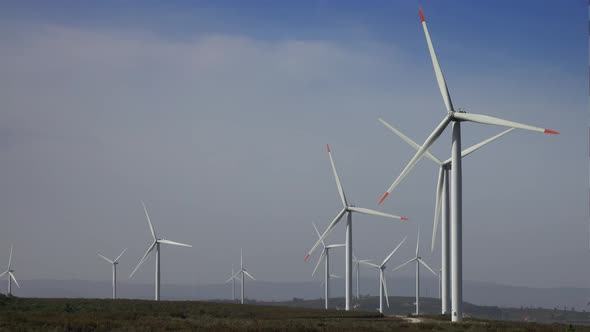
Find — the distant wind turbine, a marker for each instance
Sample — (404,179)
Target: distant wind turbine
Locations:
(10,273)
(418,261)
(382,278)
(357,263)
(155,245)
(326,256)
(233,279)
(244,273)
(114,263)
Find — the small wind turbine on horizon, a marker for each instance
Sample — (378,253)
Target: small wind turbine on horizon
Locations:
(456,117)
(233,279)
(347,209)
(155,245)
(244,273)
(441,209)
(418,261)
(382,278)
(326,256)
(114,262)
(10,273)
(357,263)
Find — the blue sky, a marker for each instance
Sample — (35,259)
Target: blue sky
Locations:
(217,114)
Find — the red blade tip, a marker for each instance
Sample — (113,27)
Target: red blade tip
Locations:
(404,218)
(306,258)
(383,198)
(328,146)
(549,131)
(421,15)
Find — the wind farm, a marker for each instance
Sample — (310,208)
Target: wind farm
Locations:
(218,115)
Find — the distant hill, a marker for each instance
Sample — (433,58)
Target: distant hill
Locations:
(479,293)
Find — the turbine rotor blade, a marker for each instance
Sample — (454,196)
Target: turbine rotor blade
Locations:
(150,248)
(410,142)
(3,273)
(332,246)
(384,281)
(326,232)
(149,221)
(106,259)
(425,147)
(362,260)
(437,205)
(418,242)
(335,276)
(375,213)
(174,243)
(13,279)
(10,257)
(236,275)
(440,79)
(393,252)
(404,264)
(318,233)
(485,119)
(370,264)
(473,148)
(121,254)
(338,184)
(319,261)
(248,274)
(426,265)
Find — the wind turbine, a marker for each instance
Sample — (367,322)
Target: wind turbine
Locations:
(155,245)
(326,256)
(357,263)
(114,263)
(233,279)
(456,117)
(10,272)
(331,276)
(347,209)
(442,204)
(418,261)
(382,278)
(244,274)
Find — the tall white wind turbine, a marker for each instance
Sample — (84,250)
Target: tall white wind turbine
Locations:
(155,245)
(114,263)
(456,117)
(418,261)
(325,255)
(347,209)
(233,279)
(10,273)
(382,278)
(244,273)
(442,207)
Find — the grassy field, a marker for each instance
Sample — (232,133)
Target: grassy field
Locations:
(21,314)
(402,305)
